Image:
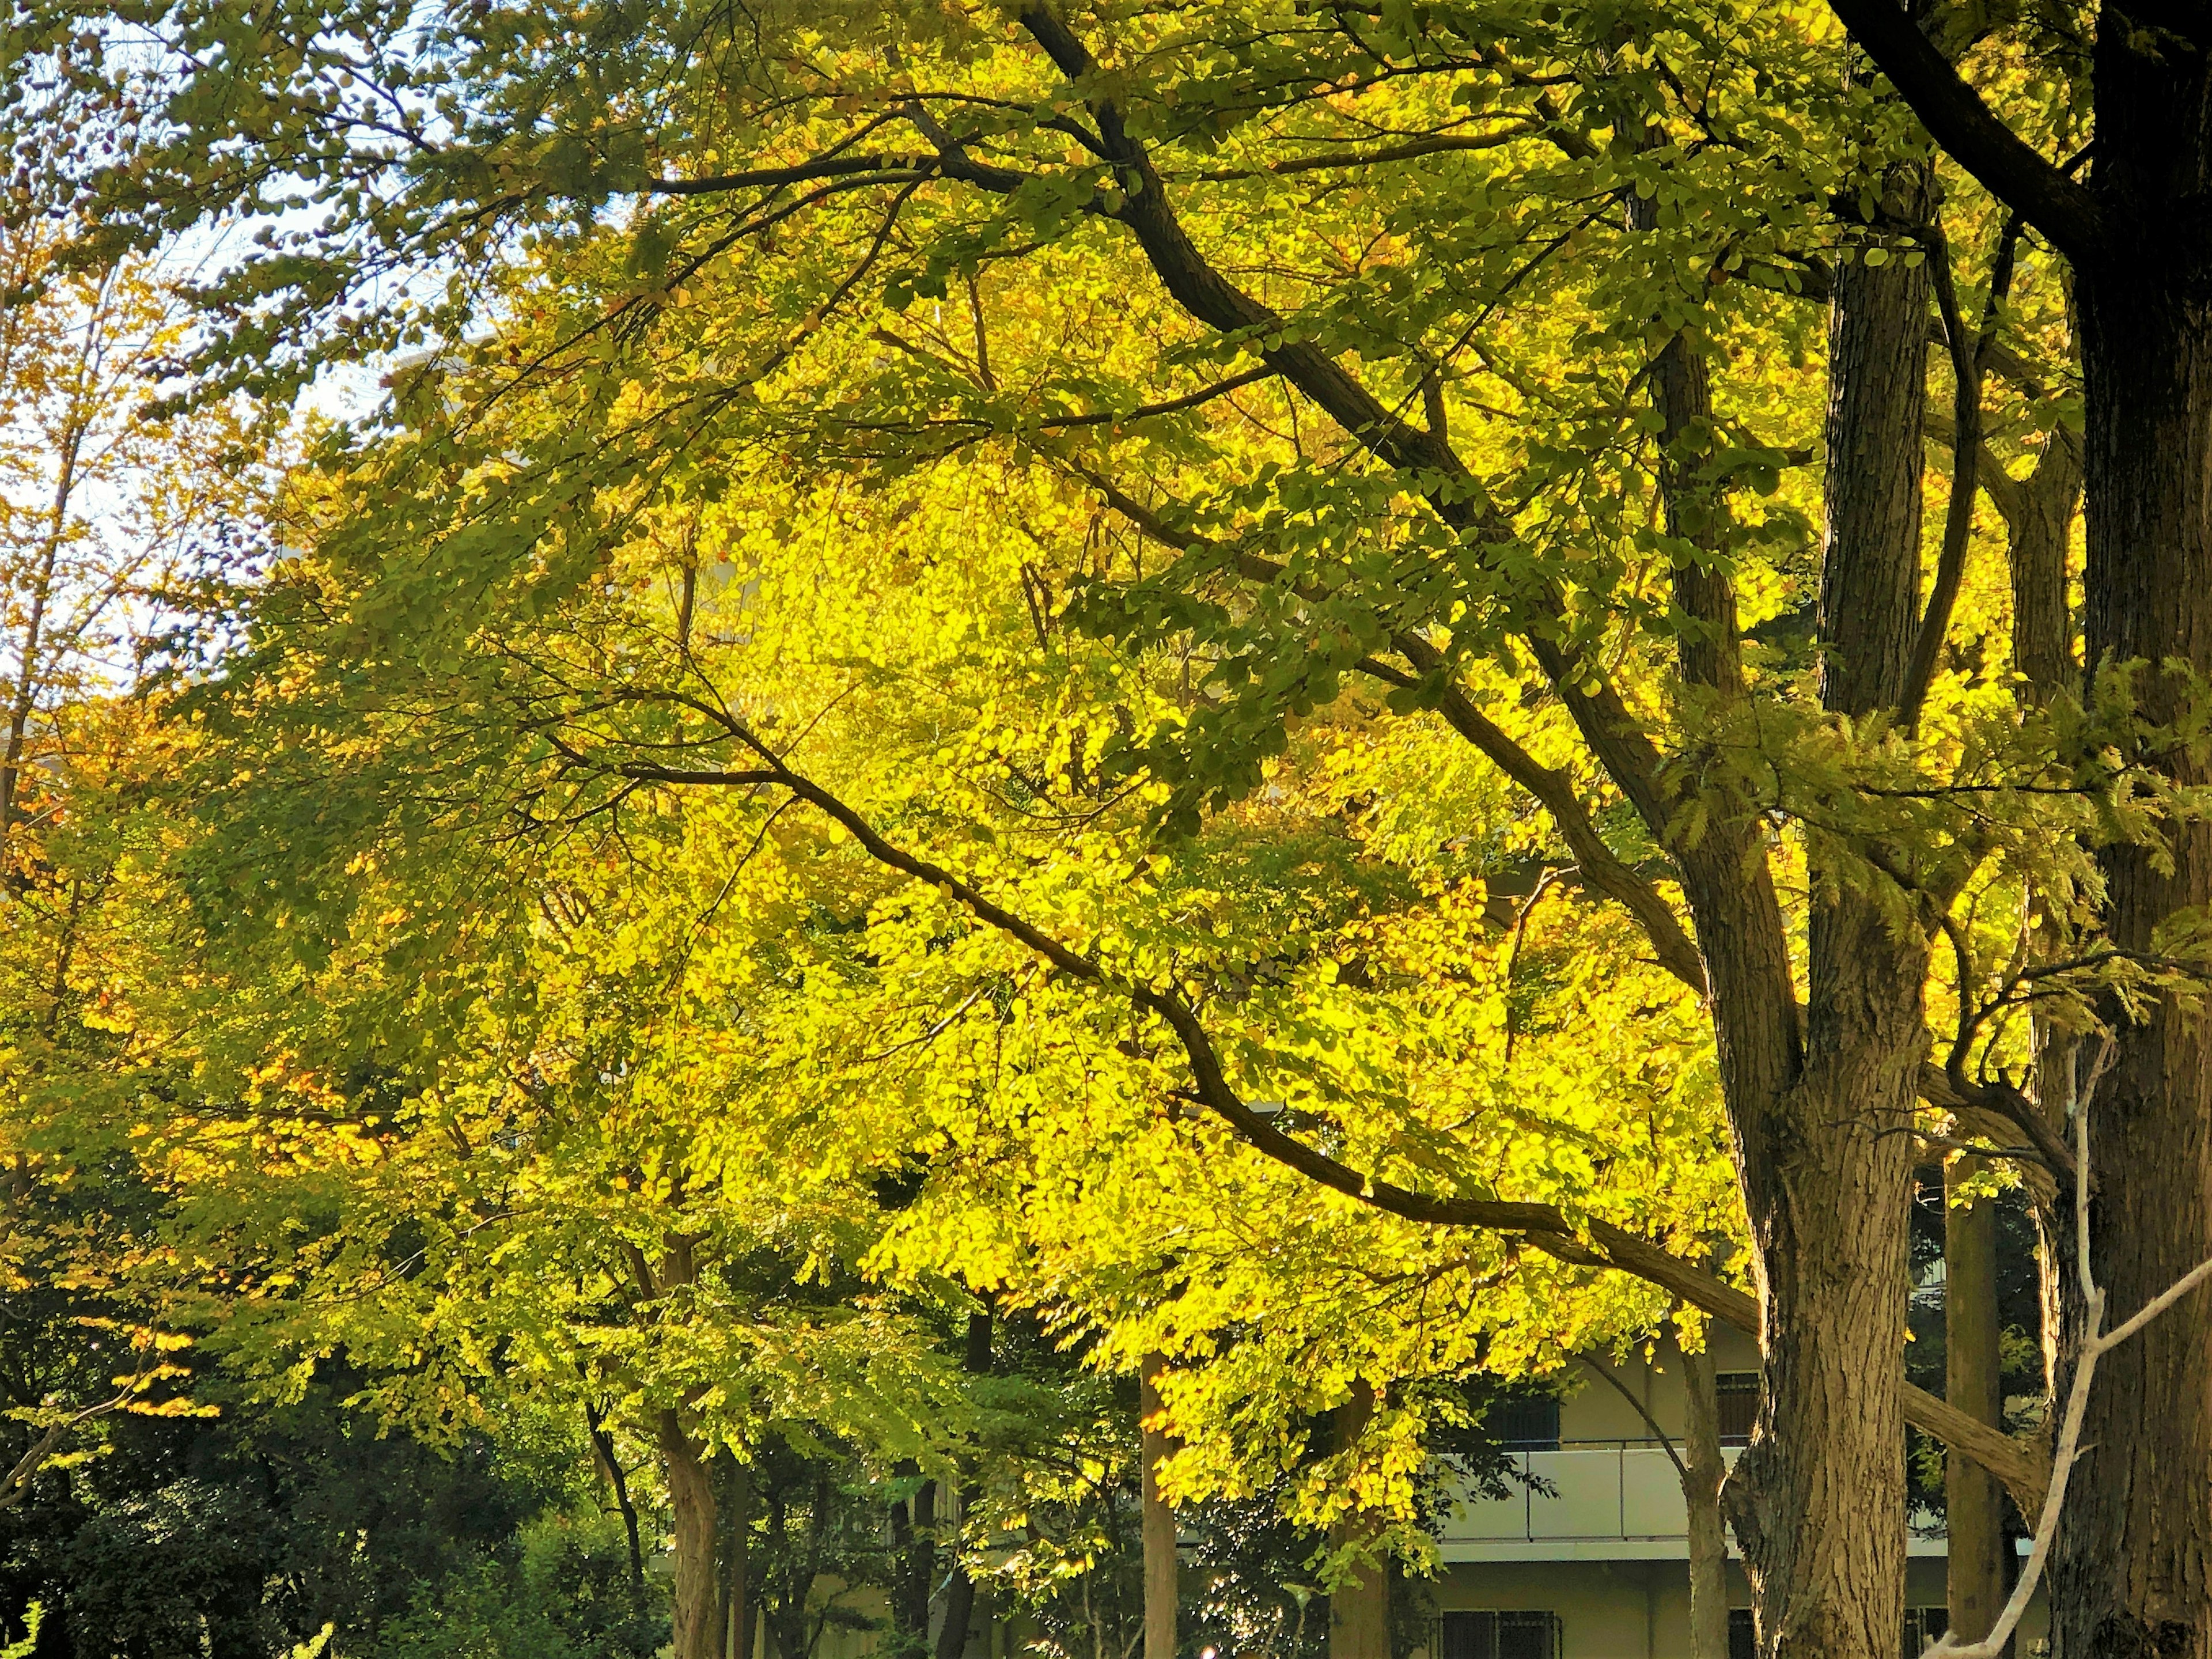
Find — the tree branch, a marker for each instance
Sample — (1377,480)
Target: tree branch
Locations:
(1952,112)
(897,169)
(1595,863)
(1589,1242)
(1411,149)
(18,1484)
(1665,1441)
(1966,353)
(1613,734)
(2095,1344)
(1990,476)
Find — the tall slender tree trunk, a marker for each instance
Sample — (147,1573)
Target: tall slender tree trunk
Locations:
(737,1509)
(1358,1608)
(914,1570)
(1973,1382)
(1704,1470)
(1162,1591)
(1818,1500)
(698,1632)
(2039,534)
(960,1584)
(603,1450)
(2133,1569)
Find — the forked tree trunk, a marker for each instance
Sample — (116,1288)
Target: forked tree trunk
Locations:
(1819,1498)
(1973,1382)
(1359,1608)
(698,1627)
(1162,1589)
(1818,1501)
(2133,1574)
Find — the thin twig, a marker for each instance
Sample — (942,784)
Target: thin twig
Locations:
(2095,1344)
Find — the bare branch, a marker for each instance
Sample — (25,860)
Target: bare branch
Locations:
(2095,1344)
(18,1484)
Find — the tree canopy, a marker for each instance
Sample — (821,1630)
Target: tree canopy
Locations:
(1326,701)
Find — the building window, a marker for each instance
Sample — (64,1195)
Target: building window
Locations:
(1739,1404)
(1924,1628)
(1497,1636)
(1526,1425)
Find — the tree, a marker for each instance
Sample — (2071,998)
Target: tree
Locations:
(107,514)
(2136,1542)
(1539,544)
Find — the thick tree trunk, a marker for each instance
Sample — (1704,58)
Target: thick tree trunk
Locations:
(1703,1472)
(1973,1382)
(698,1632)
(1819,1498)
(2134,1569)
(1162,1591)
(1359,1608)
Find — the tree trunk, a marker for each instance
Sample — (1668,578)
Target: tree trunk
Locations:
(2133,1573)
(959,1611)
(960,1585)
(1162,1591)
(1704,1471)
(913,1569)
(1818,1500)
(1358,1608)
(1973,1382)
(603,1448)
(2036,537)
(697,1633)
(736,1504)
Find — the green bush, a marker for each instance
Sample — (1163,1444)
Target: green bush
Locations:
(565,1594)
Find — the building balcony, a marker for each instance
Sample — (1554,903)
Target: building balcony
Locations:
(1614,1500)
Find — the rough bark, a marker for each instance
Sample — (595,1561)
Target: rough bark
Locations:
(1710,646)
(1973,1382)
(1704,1470)
(2133,1571)
(1818,1500)
(1358,1608)
(697,1633)
(2038,532)
(1162,1591)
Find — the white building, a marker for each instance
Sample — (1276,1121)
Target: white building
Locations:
(1597,1567)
